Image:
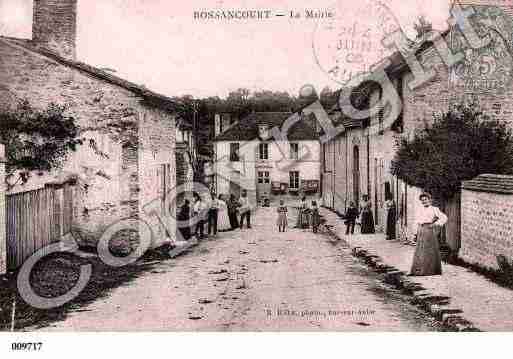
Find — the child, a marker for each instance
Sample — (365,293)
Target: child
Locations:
(316,217)
(282,217)
(350,218)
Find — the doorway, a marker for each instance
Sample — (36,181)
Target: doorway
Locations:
(235,184)
(263,185)
(356,176)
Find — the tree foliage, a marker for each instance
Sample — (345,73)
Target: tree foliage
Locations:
(460,145)
(200,113)
(240,103)
(37,139)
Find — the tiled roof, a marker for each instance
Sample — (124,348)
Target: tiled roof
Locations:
(247,128)
(158,99)
(490,183)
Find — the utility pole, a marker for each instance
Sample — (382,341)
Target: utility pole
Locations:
(194,138)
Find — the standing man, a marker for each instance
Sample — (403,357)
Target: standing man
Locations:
(183,217)
(245,211)
(200,211)
(212,215)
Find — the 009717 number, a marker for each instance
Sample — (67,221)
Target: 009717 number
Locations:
(27,347)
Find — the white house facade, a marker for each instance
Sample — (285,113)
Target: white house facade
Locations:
(249,158)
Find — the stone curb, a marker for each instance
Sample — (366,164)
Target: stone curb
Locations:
(437,306)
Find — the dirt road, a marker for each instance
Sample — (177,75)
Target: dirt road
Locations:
(253,280)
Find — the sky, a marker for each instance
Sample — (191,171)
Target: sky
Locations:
(159,44)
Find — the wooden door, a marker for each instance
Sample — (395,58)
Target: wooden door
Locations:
(263,185)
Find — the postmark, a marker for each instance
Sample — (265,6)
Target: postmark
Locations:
(349,44)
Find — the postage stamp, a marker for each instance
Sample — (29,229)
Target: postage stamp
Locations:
(490,68)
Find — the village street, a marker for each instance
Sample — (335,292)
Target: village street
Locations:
(254,280)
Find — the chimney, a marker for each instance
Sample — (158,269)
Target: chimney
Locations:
(54,26)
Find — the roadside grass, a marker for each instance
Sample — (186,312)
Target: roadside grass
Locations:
(55,275)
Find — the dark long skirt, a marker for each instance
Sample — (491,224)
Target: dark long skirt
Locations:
(303,218)
(234,221)
(391,223)
(186,232)
(426,260)
(315,219)
(367,223)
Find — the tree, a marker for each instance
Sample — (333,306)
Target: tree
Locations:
(328,98)
(422,27)
(460,145)
(37,139)
(238,102)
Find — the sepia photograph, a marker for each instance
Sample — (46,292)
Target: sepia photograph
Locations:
(294,167)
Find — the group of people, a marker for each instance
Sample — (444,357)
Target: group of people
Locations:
(365,218)
(224,213)
(428,223)
(307,216)
(218,214)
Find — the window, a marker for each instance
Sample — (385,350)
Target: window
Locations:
(294,180)
(324,149)
(263,177)
(294,151)
(234,152)
(381,115)
(263,151)
(398,125)
(263,132)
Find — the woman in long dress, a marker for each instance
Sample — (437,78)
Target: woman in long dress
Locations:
(224,221)
(303,214)
(184,215)
(390,219)
(233,205)
(428,221)
(367,219)
(315,217)
(282,217)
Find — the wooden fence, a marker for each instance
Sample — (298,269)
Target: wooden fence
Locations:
(35,219)
(453,226)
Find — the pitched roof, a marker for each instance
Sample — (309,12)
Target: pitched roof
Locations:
(153,97)
(247,128)
(490,183)
(397,65)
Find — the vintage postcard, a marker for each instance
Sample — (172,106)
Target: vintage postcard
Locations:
(255,166)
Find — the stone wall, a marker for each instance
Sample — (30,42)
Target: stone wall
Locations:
(3,226)
(278,164)
(157,172)
(184,175)
(487,220)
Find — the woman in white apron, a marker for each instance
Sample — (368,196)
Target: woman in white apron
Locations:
(223,224)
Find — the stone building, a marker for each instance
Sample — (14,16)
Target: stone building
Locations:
(248,156)
(185,153)
(487,221)
(358,160)
(127,163)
